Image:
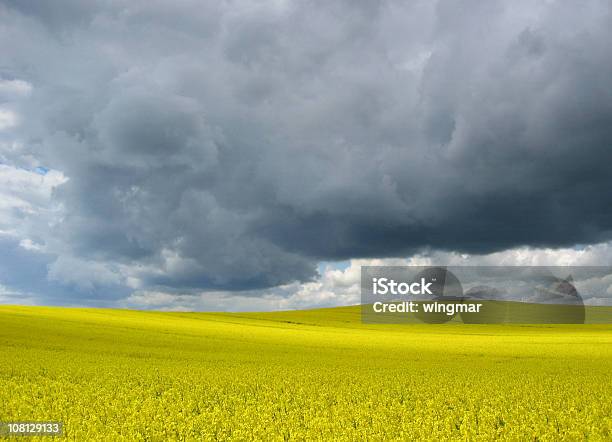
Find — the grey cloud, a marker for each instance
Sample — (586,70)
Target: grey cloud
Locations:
(27,272)
(233,146)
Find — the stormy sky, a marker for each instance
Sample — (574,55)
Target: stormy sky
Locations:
(252,154)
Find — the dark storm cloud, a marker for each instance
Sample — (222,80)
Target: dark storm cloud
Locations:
(233,145)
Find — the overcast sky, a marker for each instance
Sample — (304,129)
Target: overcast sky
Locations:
(249,155)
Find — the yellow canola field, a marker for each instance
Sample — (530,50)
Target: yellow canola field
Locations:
(303,375)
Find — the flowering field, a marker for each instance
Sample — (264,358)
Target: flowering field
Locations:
(125,375)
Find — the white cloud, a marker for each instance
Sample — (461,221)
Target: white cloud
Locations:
(25,200)
(85,275)
(14,89)
(28,244)
(9,296)
(8,119)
